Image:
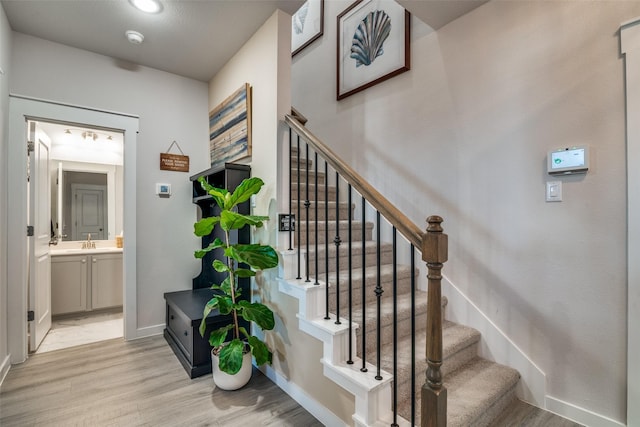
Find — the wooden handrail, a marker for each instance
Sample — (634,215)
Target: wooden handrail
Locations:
(403,224)
(434,246)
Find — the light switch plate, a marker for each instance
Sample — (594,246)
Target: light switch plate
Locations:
(554,191)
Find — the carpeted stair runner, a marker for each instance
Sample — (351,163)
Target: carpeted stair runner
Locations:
(478,390)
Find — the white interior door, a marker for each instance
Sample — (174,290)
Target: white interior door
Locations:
(88,211)
(40,218)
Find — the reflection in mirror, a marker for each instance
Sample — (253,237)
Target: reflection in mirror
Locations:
(84,206)
(86,182)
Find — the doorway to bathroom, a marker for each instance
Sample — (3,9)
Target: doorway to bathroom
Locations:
(85,170)
(20,299)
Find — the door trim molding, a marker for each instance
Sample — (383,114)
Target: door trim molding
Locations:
(20,109)
(630,49)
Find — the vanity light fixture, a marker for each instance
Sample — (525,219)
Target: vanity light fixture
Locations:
(89,136)
(148,6)
(134,37)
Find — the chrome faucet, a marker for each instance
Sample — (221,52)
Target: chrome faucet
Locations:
(88,244)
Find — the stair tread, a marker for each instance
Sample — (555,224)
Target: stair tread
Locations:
(386,308)
(386,272)
(472,391)
(455,338)
(344,223)
(370,247)
(330,203)
(475,387)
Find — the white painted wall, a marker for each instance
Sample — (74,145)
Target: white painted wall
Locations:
(170,108)
(265,62)
(465,134)
(5,54)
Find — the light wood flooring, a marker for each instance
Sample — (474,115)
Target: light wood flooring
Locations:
(136,383)
(141,383)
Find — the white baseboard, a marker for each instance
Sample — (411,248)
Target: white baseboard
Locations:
(578,414)
(316,409)
(4,368)
(149,331)
(495,345)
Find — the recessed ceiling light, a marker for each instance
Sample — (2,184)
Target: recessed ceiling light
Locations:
(149,6)
(134,37)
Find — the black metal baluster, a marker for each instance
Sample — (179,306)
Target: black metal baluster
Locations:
(326,239)
(290,189)
(307,203)
(413,336)
(337,242)
(298,210)
(395,329)
(363,327)
(350,360)
(378,297)
(315,160)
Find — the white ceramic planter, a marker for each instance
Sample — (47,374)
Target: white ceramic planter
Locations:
(231,382)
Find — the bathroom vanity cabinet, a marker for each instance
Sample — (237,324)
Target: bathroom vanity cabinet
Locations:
(85,282)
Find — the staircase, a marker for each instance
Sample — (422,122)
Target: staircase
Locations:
(377,318)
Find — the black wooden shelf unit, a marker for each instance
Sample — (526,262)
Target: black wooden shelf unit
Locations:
(184,308)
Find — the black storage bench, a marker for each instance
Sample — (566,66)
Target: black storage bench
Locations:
(184,308)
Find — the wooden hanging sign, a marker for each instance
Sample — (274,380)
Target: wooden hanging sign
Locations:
(174,162)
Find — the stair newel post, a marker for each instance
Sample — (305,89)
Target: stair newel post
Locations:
(434,394)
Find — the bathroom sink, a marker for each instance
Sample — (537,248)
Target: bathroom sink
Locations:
(80,251)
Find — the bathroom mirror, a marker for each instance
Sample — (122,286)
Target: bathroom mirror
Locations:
(86,182)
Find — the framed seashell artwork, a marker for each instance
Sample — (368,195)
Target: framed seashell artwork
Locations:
(307,25)
(373,45)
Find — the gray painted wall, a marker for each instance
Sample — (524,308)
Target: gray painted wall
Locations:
(465,134)
(170,108)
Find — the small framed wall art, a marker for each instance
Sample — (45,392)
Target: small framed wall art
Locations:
(230,128)
(307,25)
(373,45)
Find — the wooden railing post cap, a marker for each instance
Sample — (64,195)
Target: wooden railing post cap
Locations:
(435,244)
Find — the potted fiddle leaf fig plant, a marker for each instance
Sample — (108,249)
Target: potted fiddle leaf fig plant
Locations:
(232,345)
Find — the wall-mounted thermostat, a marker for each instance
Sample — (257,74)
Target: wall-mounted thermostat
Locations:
(570,160)
(163,190)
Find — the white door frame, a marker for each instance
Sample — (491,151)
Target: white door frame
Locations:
(630,48)
(21,109)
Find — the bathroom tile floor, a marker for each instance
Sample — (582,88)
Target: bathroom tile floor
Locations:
(82,328)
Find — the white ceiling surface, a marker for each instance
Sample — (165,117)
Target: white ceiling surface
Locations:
(190,38)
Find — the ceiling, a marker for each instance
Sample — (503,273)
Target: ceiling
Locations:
(190,38)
